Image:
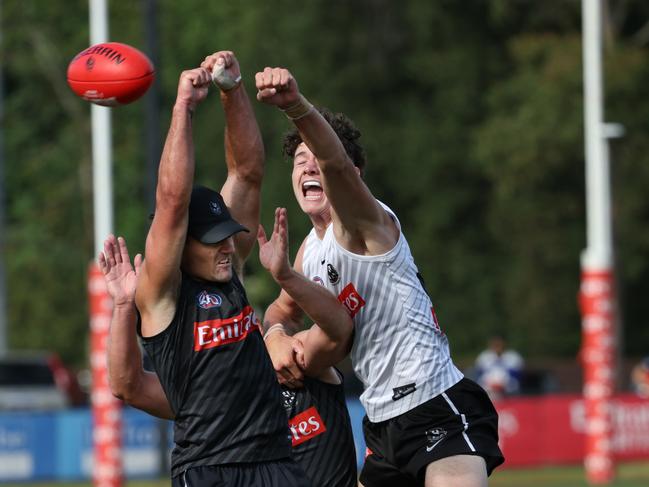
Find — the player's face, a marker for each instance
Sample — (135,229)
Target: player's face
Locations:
(210,262)
(307,182)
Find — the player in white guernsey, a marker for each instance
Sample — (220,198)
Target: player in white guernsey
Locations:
(426,424)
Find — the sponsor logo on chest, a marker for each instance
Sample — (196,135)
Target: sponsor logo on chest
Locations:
(306,426)
(350,298)
(221,331)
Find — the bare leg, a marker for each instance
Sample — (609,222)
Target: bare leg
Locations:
(457,471)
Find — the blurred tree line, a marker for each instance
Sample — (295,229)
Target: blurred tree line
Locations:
(471,114)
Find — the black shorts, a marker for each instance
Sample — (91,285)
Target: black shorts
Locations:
(460,421)
(263,474)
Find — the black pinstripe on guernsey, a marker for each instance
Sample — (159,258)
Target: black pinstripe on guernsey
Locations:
(219,380)
(321,433)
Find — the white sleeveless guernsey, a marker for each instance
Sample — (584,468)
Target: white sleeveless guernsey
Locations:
(399,352)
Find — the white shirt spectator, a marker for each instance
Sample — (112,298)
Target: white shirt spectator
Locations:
(499,370)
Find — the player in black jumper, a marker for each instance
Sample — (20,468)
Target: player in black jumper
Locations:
(211,328)
(320,428)
(197,325)
(321,432)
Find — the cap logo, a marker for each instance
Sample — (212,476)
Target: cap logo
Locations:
(215,207)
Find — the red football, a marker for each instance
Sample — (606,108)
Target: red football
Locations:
(110,74)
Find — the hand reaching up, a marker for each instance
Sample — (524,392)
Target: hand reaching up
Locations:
(273,253)
(115,264)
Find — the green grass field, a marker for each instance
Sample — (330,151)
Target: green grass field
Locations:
(628,475)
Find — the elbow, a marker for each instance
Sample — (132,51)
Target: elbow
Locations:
(345,346)
(171,195)
(336,162)
(346,329)
(339,337)
(339,346)
(118,393)
(345,341)
(252,174)
(123,390)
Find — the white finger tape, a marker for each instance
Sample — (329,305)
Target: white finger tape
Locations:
(223,79)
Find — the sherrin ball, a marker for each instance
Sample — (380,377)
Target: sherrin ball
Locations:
(110,74)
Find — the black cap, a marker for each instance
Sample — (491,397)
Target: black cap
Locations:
(209,218)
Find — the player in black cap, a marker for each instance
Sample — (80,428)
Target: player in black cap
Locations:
(319,423)
(197,325)
(208,360)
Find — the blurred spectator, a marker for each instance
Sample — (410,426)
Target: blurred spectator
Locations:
(498,370)
(640,378)
(67,381)
(37,380)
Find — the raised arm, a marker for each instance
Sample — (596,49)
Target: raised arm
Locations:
(160,277)
(329,341)
(284,314)
(244,150)
(128,379)
(361,225)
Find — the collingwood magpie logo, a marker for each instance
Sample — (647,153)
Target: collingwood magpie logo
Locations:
(333,275)
(288,399)
(215,207)
(433,437)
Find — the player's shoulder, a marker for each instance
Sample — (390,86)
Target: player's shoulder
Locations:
(390,213)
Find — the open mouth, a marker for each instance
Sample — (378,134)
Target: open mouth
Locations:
(312,190)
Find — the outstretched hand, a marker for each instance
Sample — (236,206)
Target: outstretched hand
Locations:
(273,253)
(193,87)
(225,70)
(120,276)
(277,87)
(287,355)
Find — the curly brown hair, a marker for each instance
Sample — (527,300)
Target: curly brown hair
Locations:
(345,130)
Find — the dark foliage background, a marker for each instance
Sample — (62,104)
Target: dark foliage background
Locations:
(471,114)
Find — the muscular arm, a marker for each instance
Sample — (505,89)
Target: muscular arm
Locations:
(158,284)
(244,156)
(283,347)
(128,380)
(284,310)
(329,341)
(322,346)
(361,225)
